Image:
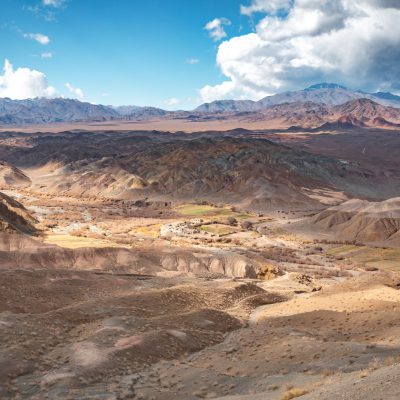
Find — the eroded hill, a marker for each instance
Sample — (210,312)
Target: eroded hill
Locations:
(363,222)
(14,218)
(169,266)
(249,172)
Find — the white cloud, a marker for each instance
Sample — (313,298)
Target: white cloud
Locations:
(75,91)
(46,9)
(216,28)
(192,61)
(353,43)
(53,3)
(24,83)
(266,6)
(173,101)
(38,37)
(47,54)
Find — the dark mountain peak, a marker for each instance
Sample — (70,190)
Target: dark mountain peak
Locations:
(344,122)
(361,102)
(325,85)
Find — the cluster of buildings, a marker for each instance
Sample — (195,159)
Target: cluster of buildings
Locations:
(181,228)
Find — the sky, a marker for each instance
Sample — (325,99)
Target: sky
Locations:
(177,54)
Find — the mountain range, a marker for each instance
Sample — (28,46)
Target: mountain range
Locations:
(330,94)
(313,106)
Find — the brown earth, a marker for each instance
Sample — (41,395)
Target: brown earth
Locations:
(363,222)
(11,176)
(250,172)
(243,299)
(79,335)
(14,218)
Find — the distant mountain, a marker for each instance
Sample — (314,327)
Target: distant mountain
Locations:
(325,93)
(366,110)
(139,113)
(358,113)
(125,110)
(325,85)
(345,122)
(306,114)
(330,94)
(387,96)
(311,107)
(43,110)
(228,106)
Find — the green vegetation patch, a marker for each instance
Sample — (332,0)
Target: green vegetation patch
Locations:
(343,250)
(195,210)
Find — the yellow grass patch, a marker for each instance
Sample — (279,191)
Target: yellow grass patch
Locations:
(370,256)
(76,242)
(293,393)
(151,231)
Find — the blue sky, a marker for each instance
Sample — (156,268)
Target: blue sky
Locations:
(137,51)
(120,51)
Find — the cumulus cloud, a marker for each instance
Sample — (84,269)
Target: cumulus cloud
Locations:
(53,3)
(24,83)
(75,91)
(386,3)
(192,61)
(173,101)
(216,28)
(354,43)
(266,6)
(47,54)
(46,9)
(38,37)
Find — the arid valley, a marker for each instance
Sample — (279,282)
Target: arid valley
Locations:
(242,264)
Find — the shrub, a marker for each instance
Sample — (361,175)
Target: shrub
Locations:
(293,393)
(232,221)
(247,225)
